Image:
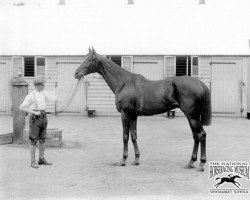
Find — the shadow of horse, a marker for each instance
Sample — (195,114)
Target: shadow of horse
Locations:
(229,179)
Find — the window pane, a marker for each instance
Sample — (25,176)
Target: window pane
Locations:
(181,66)
(117,60)
(40,71)
(195,61)
(40,61)
(29,63)
(195,71)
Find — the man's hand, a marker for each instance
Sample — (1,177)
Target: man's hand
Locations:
(37,113)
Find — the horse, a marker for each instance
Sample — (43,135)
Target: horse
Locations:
(137,96)
(229,179)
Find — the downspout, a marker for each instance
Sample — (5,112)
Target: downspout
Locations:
(86,82)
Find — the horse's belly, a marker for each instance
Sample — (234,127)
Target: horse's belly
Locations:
(156,108)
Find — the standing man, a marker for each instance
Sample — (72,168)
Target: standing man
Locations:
(35,104)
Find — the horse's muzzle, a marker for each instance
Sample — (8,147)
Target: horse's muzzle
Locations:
(78,76)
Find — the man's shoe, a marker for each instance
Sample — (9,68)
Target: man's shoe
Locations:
(43,161)
(34,165)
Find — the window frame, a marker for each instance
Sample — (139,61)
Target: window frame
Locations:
(45,68)
(198,66)
(35,67)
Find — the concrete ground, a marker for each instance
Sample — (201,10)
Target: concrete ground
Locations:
(83,168)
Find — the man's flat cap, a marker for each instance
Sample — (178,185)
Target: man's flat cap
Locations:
(39,81)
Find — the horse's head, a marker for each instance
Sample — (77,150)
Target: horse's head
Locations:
(88,66)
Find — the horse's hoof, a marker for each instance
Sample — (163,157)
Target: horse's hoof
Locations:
(120,164)
(136,163)
(200,169)
(190,165)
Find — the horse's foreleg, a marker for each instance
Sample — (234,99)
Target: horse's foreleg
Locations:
(235,184)
(133,132)
(125,125)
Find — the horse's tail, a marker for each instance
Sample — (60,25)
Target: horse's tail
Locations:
(206,107)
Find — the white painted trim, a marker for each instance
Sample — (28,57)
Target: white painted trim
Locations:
(132,62)
(199,64)
(35,66)
(165,67)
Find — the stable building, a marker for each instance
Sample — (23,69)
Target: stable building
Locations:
(145,43)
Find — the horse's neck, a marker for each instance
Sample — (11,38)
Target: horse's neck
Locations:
(114,75)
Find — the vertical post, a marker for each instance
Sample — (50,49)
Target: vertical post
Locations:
(19,91)
(56,96)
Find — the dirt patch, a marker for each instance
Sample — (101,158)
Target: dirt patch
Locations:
(84,166)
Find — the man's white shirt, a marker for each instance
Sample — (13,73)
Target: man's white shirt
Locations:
(37,100)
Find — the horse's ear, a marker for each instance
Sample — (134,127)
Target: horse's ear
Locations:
(89,50)
(93,50)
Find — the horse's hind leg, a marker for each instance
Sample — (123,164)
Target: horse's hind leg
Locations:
(199,136)
(133,132)
(195,148)
(202,139)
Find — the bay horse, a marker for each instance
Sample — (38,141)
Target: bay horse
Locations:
(137,96)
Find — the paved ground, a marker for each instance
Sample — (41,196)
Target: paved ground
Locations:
(84,166)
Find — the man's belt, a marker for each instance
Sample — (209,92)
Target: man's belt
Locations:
(41,111)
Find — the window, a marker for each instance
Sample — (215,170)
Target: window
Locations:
(40,67)
(29,69)
(183,65)
(116,59)
(195,66)
(34,66)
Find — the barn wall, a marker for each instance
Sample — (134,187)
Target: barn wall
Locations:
(6,72)
(247,70)
(205,70)
(100,97)
(246,88)
(95,93)
(60,82)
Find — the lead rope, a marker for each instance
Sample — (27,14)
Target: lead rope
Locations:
(71,98)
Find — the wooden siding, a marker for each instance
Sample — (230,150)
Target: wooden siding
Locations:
(150,67)
(17,64)
(100,97)
(66,84)
(225,87)
(205,72)
(5,85)
(59,78)
(96,94)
